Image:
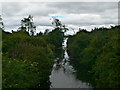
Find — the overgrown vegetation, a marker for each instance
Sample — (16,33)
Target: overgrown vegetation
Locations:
(95,55)
(27,60)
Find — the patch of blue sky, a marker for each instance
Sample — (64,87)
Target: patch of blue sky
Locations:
(58,16)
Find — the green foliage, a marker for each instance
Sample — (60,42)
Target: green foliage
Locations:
(19,74)
(28,60)
(56,38)
(95,56)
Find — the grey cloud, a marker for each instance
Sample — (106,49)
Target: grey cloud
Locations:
(11,9)
(83,7)
(23,9)
(97,13)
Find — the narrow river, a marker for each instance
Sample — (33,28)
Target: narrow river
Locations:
(62,75)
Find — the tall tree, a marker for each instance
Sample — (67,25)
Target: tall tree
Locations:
(56,22)
(1,23)
(27,24)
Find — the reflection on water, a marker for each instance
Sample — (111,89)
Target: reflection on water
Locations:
(62,75)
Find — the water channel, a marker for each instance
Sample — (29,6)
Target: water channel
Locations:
(63,74)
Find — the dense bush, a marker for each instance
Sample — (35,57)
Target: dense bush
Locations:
(19,74)
(28,60)
(56,38)
(95,55)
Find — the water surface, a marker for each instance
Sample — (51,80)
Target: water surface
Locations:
(63,74)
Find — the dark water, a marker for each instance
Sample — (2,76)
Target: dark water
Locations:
(63,74)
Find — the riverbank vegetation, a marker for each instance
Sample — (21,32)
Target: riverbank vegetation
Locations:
(27,60)
(96,57)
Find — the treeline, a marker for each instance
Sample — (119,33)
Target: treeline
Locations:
(96,56)
(27,60)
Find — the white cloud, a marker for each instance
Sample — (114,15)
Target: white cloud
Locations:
(77,15)
(43,28)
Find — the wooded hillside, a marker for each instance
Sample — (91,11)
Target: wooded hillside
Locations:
(96,56)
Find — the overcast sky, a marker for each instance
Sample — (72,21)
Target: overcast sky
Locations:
(76,15)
